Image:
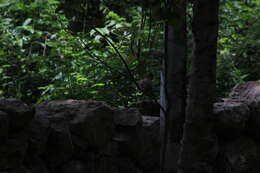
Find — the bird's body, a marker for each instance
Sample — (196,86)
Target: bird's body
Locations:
(146,86)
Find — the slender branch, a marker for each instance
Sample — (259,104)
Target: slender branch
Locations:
(121,58)
(131,46)
(129,71)
(44,48)
(141,68)
(96,58)
(150,28)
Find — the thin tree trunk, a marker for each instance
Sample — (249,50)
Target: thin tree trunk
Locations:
(199,145)
(174,93)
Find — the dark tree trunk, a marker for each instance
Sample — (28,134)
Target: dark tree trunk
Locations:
(173,94)
(199,146)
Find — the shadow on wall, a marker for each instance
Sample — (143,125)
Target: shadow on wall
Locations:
(78,136)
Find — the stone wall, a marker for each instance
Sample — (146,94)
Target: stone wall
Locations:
(237,126)
(78,136)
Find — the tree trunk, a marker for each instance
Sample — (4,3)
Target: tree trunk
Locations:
(174,75)
(199,145)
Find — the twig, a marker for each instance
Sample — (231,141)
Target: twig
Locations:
(96,58)
(121,58)
(129,71)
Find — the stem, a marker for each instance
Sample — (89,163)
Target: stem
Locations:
(129,71)
(96,58)
(121,58)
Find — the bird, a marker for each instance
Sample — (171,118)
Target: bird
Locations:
(146,85)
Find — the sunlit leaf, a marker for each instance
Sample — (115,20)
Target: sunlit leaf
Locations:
(2,52)
(98,85)
(4,3)
(93,92)
(27,21)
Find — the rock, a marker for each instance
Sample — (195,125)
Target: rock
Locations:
(230,118)
(137,143)
(35,164)
(19,113)
(93,124)
(4,125)
(150,158)
(239,113)
(15,117)
(148,108)
(127,117)
(75,166)
(125,165)
(62,129)
(243,156)
(249,94)
(237,120)
(76,136)
(128,144)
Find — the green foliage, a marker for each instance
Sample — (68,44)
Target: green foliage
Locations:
(239,43)
(82,14)
(25,32)
(42,60)
(228,74)
(52,49)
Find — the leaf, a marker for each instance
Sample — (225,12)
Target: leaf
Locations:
(19,42)
(2,52)
(92,32)
(104,31)
(58,76)
(52,44)
(29,28)
(93,92)
(111,41)
(111,23)
(118,26)
(98,85)
(53,2)
(27,21)
(97,38)
(4,3)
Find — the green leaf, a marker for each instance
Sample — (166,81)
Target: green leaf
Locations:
(93,92)
(104,31)
(4,3)
(52,44)
(92,32)
(27,21)
(53,2)
(20,42)
(98,85)
(2,52)
(97,38)
(58,76)
(29,28)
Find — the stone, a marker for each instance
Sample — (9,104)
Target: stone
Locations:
(4,125)
(15,117)
(249,94)
(62,129)
(150,157)
(230,118)
(243,155)
(75,166)
(148,108)
(19,113)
